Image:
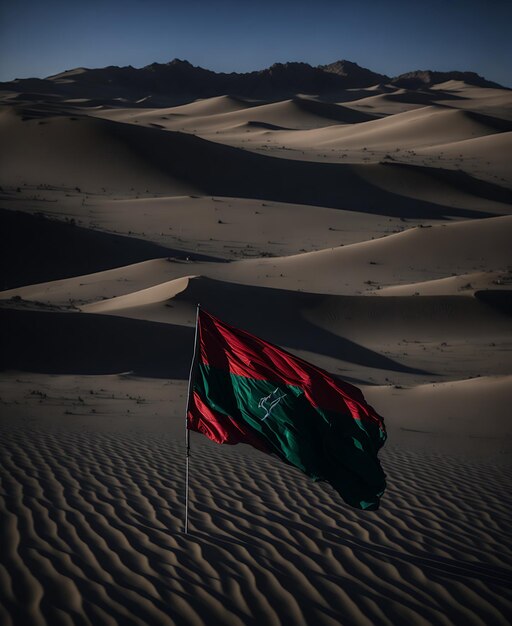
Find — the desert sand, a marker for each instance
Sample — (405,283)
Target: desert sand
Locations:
(369,233)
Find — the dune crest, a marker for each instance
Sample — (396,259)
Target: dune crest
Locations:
(150,295)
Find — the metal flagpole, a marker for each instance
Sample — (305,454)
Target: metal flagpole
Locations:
(187,431)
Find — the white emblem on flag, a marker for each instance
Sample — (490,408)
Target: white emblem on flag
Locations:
(268,403)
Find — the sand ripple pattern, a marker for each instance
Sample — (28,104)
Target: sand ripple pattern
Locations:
(91,533)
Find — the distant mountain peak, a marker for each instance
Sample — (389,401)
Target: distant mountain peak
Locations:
(426,78)
(291,65)
(180,63)
(349,68)
(342,66)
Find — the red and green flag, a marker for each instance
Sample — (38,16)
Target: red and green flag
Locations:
(246,390)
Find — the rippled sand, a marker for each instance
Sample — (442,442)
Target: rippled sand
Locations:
(93,534)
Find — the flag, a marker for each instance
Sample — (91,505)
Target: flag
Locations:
(246,390)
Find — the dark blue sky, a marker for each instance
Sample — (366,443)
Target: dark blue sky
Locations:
(40,38)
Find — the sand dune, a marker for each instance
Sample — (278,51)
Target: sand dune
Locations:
(380,105)
(472,96)
(448,416)
(415,340)
(90,287)
(431,253)
(432,183)
(45,152)
(427,317)
(485,157)
(463,284)
(151,295)
(212,106)
(234,228)
(426,126)
(160,116)
(225,113)
(63,249)
(395,101)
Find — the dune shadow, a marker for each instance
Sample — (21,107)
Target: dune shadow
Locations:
(422,97)
(34,249)
(498,299)
(221,170)
(276,316)
(458,180)
(334,112)
(300,334)
(81,343)
(266,125)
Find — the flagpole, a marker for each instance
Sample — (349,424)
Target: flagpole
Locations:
(187,431)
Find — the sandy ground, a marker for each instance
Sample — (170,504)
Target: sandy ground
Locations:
(369,234)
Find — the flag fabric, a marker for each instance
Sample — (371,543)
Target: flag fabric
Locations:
(246,390)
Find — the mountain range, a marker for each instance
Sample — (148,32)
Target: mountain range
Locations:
(181,78)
